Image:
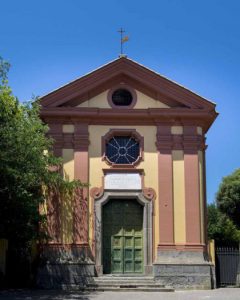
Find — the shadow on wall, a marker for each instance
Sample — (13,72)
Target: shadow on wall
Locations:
(67,217)
(67,258)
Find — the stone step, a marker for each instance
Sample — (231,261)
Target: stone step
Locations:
(126,284)
(124,278)
(128,289)
(125,281)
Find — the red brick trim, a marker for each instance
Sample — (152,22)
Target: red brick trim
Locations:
(54,221)
(55,132)
(150,116)
(67,140)
(165,185)
(189,140)
(192,199)
(165,198)
(81,136)
(204,199)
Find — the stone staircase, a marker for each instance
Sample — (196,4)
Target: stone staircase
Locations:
(126,284)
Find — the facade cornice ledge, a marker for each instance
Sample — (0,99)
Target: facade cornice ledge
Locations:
(199,117)
(147,113)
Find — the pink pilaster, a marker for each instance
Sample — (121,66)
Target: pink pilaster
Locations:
(192,191)
(165,186)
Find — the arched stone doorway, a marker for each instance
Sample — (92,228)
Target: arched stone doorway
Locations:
(134,199)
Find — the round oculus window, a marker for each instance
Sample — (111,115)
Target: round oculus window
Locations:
(122,97)
(122,150)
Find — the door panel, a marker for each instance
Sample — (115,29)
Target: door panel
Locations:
(122,236)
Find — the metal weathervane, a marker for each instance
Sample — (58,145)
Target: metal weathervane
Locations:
(123,40)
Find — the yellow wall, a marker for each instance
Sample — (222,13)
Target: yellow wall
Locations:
(149,164)
(68,128)
(99,101)
(179,196)
(143,101)
(199,130)
(177,130)
(67,207)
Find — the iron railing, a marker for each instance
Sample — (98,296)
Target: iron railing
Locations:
(227,265)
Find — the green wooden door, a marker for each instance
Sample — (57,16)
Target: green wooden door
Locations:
(122,237)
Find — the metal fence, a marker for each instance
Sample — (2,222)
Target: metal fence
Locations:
(227,266)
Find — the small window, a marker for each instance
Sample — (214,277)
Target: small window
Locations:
(122,150)
(122,97)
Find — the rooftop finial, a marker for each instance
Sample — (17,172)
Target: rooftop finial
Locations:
(122,41)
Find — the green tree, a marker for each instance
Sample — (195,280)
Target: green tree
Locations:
(228,197)
(26,175)
(23,165)
(4,68)
(220,227)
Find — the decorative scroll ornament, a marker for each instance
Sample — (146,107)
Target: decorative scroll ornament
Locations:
(149,193)
(96,192)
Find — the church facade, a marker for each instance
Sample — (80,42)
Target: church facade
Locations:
(138,140)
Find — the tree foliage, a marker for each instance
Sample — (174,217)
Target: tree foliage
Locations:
(27,178)
(228,197)
(220,227)
(25,174)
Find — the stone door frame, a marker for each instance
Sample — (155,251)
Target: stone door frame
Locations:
(147,226)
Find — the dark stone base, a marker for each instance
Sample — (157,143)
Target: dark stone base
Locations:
(65,267)
(65,276)
(184,276)
(72,267)
(184,269)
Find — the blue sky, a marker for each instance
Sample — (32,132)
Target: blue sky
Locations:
(195,43)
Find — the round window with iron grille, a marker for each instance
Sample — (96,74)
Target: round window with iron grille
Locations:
(122,150)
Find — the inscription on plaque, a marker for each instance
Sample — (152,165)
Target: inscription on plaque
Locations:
(122,181)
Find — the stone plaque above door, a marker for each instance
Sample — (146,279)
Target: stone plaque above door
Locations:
(122,181)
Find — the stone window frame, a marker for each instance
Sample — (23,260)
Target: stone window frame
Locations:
(123,132)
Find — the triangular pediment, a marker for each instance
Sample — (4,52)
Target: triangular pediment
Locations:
(101,101)
(127,72)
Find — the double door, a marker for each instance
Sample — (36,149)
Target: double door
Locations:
(122,236)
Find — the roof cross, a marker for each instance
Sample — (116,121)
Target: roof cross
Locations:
(122,41)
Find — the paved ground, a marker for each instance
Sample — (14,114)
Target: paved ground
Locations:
(219,294)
